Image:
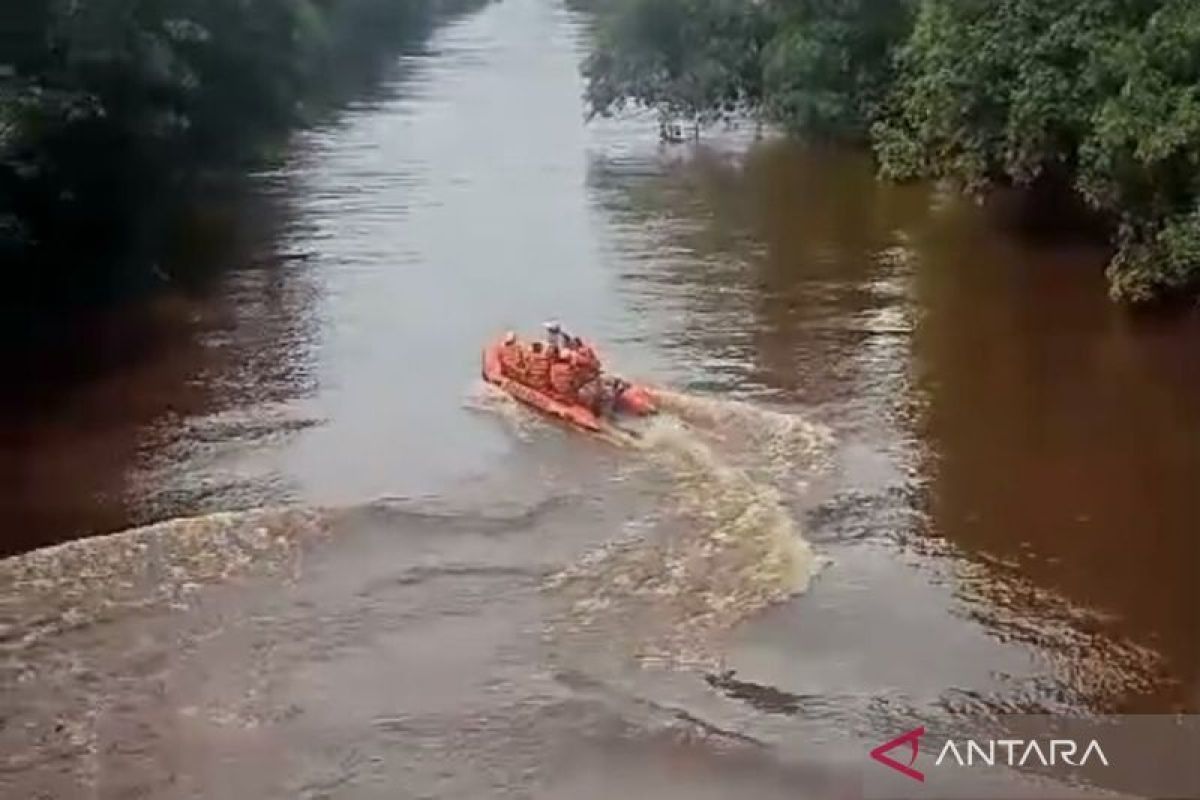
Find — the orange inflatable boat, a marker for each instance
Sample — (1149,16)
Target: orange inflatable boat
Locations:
(631,400)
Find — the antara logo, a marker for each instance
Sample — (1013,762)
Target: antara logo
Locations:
(1019,752)
(990,752)
(913,740)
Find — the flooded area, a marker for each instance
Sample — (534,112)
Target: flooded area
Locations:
(912,464)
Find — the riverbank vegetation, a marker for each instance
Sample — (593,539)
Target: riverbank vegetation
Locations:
(1101,99)
(111,110)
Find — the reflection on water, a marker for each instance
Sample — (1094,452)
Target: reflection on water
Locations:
(132,416)
(1063,437)
(984,390)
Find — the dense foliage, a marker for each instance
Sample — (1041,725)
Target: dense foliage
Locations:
(818,66)
(1104,95)
(829,64)
(691,58)
(108,108)
(1101,97)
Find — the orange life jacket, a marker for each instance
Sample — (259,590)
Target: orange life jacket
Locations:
(587,365)
(512,360)
(562,379)
(537,369)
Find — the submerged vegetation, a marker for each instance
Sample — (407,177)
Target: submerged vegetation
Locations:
(1101,98)
(111,109)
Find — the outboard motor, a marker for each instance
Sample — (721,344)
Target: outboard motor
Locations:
(613,389)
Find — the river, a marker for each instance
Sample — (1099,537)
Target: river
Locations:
(913,465)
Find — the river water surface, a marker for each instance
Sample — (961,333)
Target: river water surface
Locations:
(913,465)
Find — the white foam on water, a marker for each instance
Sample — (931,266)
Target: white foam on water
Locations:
(780,443)
(519,419)
(48,592)
(726,546)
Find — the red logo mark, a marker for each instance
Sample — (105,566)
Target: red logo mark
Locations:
(912,739)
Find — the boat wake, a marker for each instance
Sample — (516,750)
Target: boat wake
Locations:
(722,543)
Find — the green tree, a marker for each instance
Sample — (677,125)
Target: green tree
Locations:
(110,109)
(818,66)
(698,59)
(829,63)
(1103,96)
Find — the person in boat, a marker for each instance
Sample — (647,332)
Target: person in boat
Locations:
(563,370)
(556,341)
(586,359)
(537,367)
(555,337)
(590,388)
(587,364)
(512,357)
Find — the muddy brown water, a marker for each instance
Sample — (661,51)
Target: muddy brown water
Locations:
(913,466)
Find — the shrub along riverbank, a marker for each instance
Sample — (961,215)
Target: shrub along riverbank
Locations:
(1101,98)
(112,110)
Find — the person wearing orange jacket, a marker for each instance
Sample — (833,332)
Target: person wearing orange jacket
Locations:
(512,357)
(589,388)
(537,367)
(587,363)
(562,376)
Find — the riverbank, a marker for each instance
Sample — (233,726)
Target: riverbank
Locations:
(118,129)
(1097,100)
(976,454)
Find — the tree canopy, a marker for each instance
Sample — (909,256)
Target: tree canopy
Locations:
(1104,95)
(817,66)
(108,108)
(693,58)
(1101,97)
